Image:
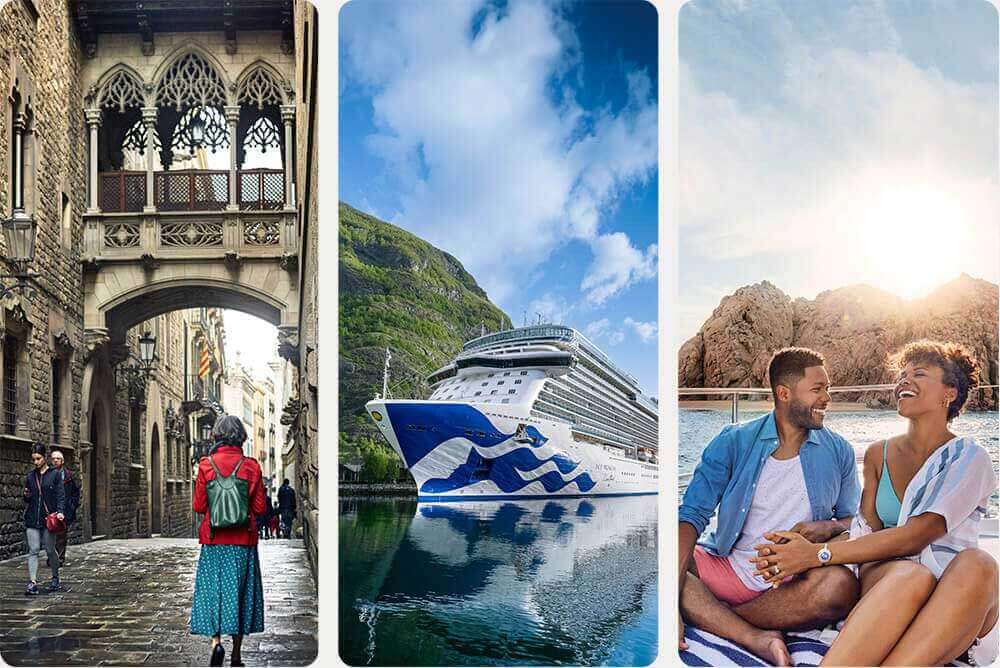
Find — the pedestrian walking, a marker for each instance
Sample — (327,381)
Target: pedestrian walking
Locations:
(72,502)
(273,520)
(228,592)
(264,520)
(45,500)
(286,507)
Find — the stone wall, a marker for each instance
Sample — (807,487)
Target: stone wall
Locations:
(43,55)
(307,435)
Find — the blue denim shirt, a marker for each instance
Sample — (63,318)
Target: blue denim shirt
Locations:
(726,478)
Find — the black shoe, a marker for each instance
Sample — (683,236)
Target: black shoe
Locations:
(218,655)
(235,663)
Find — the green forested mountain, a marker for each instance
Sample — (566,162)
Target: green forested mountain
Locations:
(397,291)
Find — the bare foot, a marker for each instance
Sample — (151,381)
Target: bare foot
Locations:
(771,645)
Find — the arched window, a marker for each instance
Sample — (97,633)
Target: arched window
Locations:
(190,97)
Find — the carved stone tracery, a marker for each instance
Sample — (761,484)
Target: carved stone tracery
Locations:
(121,91)
(190,82)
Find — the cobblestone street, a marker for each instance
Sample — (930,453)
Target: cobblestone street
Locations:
(129,604)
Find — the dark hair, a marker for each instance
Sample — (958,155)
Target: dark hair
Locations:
(38,448)
(285,481)
(956,361)
(229,430)
(788,366)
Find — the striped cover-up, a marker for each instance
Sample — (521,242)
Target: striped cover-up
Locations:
(955,482)
(705,649)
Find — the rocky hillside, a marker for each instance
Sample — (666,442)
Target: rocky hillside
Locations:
(398,291)
(855,327)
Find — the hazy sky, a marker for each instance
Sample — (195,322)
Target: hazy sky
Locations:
(252,340)
(824,144)
(521,137)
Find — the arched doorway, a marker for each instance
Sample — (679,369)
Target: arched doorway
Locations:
(98,473)
(155,479)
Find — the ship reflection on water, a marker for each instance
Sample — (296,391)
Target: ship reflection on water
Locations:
(552,581)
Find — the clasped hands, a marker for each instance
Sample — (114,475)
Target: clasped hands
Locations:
(789,553)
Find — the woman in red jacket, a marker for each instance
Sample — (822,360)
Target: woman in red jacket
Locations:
(228,594)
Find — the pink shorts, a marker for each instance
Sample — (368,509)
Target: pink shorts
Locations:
(718,575)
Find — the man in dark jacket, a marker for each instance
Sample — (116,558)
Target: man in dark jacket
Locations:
(44,493)
(72,501)
(286,507)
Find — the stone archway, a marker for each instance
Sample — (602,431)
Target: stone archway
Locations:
(156,483)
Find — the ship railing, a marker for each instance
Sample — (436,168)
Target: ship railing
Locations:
(736,392)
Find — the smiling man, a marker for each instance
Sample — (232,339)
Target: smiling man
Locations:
(781,470)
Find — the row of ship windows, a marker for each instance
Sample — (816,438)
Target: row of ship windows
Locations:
(505,373)
(479,392)
(622,423)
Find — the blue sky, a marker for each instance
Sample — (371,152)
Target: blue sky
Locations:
(521,137)
(825,144)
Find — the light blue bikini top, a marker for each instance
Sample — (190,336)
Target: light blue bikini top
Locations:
(887,504)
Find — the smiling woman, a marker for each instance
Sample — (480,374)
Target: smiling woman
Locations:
(915,238)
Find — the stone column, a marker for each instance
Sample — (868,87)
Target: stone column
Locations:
(20,125)
(94,123)
(232,118)
(288,117)
(149,120)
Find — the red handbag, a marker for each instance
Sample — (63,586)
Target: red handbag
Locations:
(52,522)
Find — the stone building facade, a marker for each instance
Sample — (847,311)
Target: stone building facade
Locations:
(305,418)
(122,252)
(42,346)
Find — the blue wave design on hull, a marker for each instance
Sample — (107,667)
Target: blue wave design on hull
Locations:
(503,472)
(422,427)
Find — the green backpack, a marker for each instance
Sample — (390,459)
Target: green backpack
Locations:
(228,499)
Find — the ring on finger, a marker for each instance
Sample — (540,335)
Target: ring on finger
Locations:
(775,570)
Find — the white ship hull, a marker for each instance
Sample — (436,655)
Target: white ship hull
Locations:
(459,450)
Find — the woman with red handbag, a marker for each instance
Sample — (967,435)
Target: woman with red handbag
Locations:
(45,496)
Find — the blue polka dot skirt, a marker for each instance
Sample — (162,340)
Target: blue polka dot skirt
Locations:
(228,593)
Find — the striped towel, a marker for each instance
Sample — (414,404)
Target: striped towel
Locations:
(707,649)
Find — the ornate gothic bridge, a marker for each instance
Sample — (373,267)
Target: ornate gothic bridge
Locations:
(191,203)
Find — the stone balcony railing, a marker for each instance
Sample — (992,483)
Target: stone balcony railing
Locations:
(210,234)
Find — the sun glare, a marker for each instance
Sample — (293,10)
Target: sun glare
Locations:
(913,240)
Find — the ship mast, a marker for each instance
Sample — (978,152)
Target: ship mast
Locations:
(385,374)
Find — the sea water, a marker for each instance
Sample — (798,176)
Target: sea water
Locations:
(543,582)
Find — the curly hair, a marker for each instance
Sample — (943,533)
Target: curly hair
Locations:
(960,368)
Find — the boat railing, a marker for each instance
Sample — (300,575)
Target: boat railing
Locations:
(736,392)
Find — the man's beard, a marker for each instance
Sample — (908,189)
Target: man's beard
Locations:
(801,415)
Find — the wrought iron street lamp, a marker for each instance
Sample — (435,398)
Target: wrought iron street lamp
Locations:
(135,374)
(19,238)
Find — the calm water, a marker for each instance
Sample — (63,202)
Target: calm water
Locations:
(861,428)
(498,583)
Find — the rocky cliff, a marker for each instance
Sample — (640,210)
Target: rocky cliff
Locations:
(856,328)
(397,292)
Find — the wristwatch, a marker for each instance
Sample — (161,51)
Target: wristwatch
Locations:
(824,555)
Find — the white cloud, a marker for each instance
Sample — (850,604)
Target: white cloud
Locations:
(552,309)
(603,330)
(646,331)
(844,127)
(617,264)
(489,166)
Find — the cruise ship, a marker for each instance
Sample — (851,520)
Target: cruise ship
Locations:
(534,411)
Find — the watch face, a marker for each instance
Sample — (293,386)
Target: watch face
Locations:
(824,555)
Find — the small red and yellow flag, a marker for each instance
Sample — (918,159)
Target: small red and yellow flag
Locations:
(206,361)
